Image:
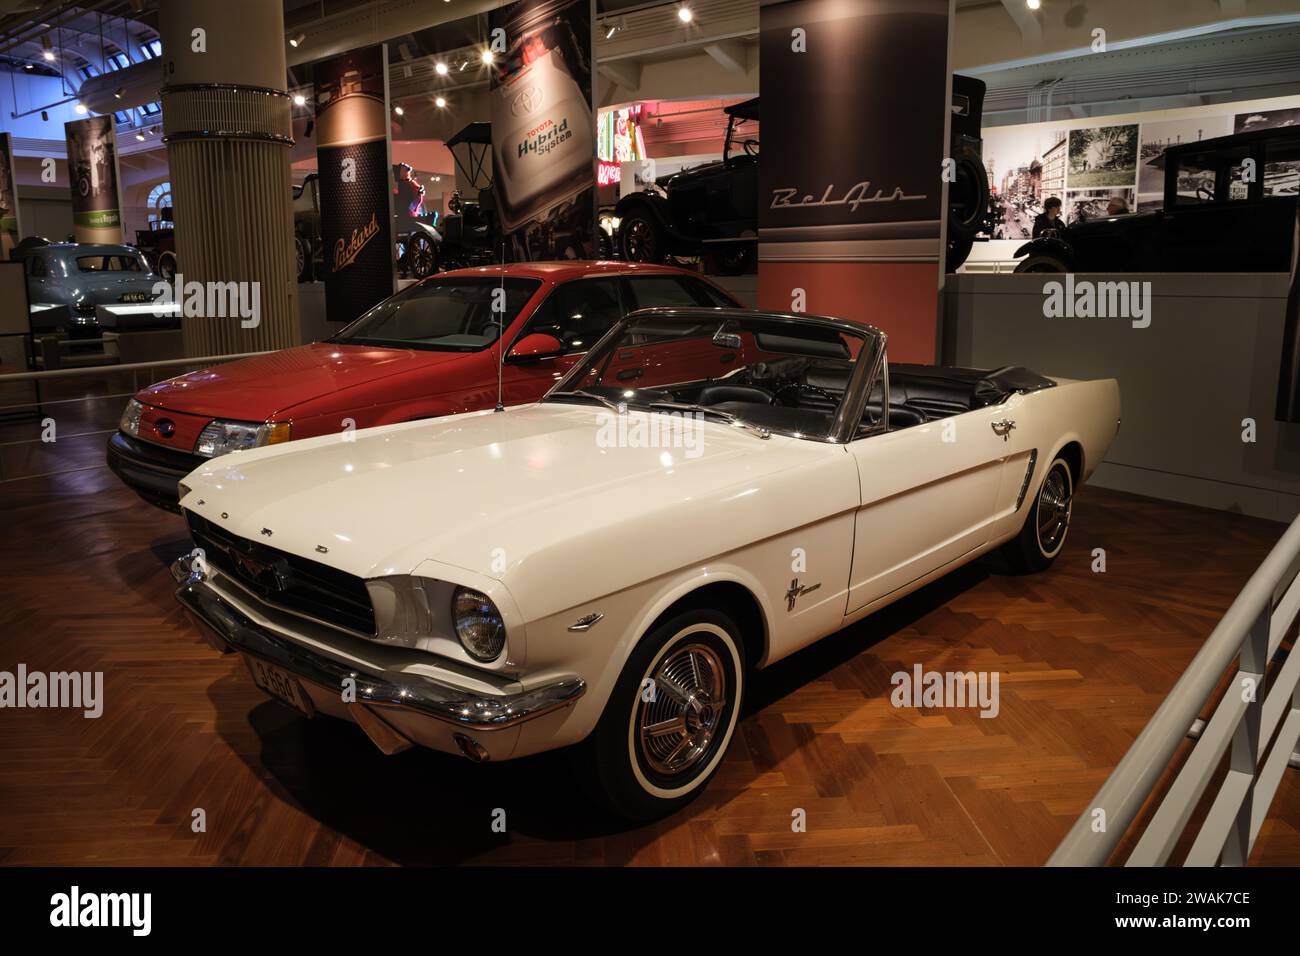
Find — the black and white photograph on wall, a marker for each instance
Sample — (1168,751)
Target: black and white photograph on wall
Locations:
(352,155)
(1081,205)
(1103,156)
(1281,178)
(1159,136)
(92,173)
(1025,166)
(543,129)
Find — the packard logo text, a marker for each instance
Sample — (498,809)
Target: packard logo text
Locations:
(857,195)
(345,253)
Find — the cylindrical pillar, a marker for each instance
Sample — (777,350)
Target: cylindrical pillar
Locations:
(226,123)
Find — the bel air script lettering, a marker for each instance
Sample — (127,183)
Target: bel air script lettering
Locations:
(345,253)
(544,137)
(857,195)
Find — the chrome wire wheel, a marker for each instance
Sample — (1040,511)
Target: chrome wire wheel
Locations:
(678,725)
(1054,503)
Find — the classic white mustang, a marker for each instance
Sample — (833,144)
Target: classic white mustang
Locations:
(705,492)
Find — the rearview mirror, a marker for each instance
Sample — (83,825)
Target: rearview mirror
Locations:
(534,348)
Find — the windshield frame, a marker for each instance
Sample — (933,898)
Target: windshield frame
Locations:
(538,285)
(869,366)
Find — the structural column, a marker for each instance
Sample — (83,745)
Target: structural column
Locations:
(226,123)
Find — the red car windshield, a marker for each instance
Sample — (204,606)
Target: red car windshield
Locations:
(453,315)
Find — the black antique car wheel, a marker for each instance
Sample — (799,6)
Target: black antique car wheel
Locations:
(1042,262)
(422,256)
(640,239)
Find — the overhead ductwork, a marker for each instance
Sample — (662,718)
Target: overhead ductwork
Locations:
(137,83)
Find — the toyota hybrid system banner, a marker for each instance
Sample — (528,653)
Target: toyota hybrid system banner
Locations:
(92,170)
(543,128)
(855,116)
(10,231)
(352,152)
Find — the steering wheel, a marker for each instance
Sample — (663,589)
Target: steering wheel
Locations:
(1205,195)
(802,388)
(751,147)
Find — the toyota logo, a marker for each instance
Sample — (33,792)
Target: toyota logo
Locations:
(527,101)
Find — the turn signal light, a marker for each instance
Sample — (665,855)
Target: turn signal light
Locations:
(277,432)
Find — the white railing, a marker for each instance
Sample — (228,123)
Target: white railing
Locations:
(1245,726)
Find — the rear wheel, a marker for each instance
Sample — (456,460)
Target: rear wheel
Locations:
(640,237)
(670,717)
(302,257)
(167,265)
(1042,262)
(1043,534)
(423,256)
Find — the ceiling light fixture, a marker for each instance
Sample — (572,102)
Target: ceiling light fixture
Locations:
(487,57)
(613,28)
(81,109)
(117,93)
(440,68)
(140,137)
(684,14)
(49,55)
(1033,4)
(399,111)
(440,102)
(299,100)
(28,66)
(463,64)
(297,40)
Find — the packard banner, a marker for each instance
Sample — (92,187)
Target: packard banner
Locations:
(10,230)
(92,171)
(544,128)
(352,149)
(855,105)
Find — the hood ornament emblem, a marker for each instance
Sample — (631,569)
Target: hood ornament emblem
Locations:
(321,549)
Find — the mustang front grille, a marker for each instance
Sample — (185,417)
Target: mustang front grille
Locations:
(286,580)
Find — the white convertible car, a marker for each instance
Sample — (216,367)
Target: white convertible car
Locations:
(703,493)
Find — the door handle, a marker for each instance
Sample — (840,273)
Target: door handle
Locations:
(1003,427)
(627,374)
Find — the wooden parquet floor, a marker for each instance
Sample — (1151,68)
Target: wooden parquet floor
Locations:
(1084,660)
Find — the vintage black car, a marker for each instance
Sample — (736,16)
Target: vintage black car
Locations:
(1229,206)
(710,209)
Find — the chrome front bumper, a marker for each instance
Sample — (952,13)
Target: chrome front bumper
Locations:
(229,629)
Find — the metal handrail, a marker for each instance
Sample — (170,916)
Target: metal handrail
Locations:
(1244,720)
(89,370)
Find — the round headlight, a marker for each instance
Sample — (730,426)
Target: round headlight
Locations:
(478,624)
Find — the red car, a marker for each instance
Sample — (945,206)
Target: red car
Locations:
(430,350)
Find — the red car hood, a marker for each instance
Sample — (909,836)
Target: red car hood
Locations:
(258,388)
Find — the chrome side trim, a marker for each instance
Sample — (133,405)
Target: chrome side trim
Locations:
(233,630)
(1029,475)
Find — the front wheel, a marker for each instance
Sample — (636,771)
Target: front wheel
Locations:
(1048,522)
(1042,262)
(670,717)
(640,238)
(423,256)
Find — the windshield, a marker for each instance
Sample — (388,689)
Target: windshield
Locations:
(776,373)
(451,315)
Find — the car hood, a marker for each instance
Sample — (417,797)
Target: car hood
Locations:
(264,386)
(495,493)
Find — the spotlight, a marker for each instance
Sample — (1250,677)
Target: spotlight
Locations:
(399,111)
(684,14)
(28,66)
(440,102)
(297,40)
(613,28)
(463,64)
(81,109)
(487,57)
(440,68)
(140,137)
(117,93)
(1033,4)
(299,100)
(49,55)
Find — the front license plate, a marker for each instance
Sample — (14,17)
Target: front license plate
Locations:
(280,684)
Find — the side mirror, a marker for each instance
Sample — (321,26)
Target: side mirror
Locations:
(535,347)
